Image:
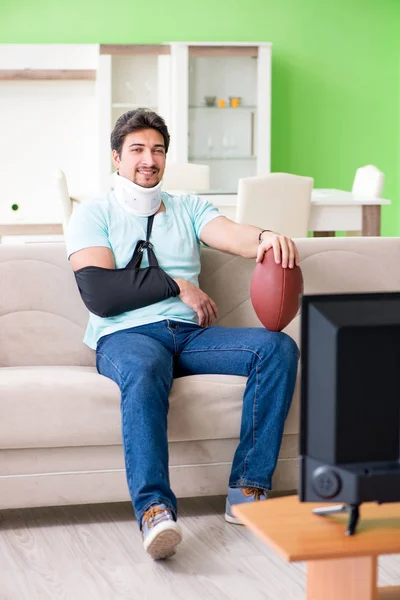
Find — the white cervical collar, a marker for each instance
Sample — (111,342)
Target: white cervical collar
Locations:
(138,200)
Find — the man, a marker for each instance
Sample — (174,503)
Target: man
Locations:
(151,324)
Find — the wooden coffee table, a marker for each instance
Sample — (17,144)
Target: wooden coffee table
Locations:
(339,567)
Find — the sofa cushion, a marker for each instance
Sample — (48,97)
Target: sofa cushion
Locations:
(42,318)
(44,407)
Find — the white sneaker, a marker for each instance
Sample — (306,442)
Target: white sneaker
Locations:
(161,533)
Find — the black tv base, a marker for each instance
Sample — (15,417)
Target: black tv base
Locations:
(352,509)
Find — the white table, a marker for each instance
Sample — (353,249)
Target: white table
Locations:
(331,210)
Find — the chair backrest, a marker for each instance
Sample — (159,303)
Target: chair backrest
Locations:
(186,177)
(368,181)
(63,196)
(279,201)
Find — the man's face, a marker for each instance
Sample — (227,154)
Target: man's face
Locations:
(142,158)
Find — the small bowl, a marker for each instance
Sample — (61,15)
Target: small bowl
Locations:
(234,101)
(210,100)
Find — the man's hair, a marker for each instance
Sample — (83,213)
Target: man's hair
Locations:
(137,120)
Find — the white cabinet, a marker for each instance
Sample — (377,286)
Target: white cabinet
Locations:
(178,81)
(47,122)
(224,93)
(129,76)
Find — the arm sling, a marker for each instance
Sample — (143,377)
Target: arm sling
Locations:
(110,292)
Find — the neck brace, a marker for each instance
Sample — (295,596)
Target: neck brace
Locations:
(135,199)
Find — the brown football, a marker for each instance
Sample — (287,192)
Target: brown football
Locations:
(275,292)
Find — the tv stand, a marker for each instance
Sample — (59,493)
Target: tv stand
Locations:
(353,509)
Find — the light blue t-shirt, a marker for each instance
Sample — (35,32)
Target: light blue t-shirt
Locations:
(175,237)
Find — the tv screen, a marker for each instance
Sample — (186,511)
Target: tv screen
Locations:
(350,397)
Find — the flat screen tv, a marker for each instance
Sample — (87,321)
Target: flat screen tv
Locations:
(350,401)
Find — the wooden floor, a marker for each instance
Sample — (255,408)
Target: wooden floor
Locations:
(95,553)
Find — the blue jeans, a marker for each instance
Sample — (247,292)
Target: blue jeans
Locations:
(143,362)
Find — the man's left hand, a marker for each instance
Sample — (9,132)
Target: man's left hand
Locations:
(285,250)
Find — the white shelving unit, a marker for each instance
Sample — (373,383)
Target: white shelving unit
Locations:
(63,101)
(233,141)
(174,79)
(129,77)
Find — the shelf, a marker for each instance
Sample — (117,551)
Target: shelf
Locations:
(131,105)
(224,50)
(197,158)
(134,49)
(47,74)
(252,108)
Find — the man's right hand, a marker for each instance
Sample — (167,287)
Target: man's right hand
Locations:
(202,304)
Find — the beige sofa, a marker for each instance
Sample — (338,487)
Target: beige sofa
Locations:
(60,439)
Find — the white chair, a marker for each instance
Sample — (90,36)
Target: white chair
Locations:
(186,177)
(279,201)
(368,181)
(63,197)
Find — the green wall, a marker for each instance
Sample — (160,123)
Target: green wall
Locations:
(336,69)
